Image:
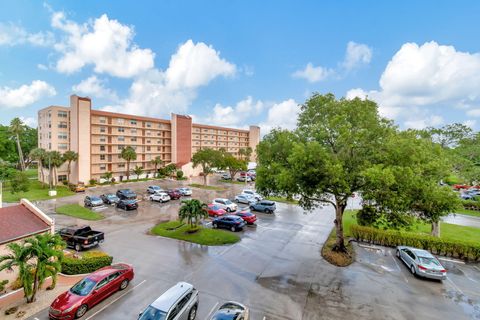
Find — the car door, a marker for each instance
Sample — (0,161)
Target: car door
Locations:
(100,292)
(114,281)
(409,257)
(184,307)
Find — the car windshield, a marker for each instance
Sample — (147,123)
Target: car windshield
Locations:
(428,260)
(130,201)
(95,199)
(152,313)
(228,202)
(111,196)
(83,287)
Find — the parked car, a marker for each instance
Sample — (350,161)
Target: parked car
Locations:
(179,302)
(127,204)
(184,191)
(253,194)
(90,291)
(160,197)
(231,310)
(243,178)
(214,210)
(234,223)
(92,201)
(81,238)
(245,198)
(421,263)
(247,216)
(79,187)
(154,189)
(467,196)
(225,204)
(266,206)
(109,198)
(226,176)
(252,175)
(174,195)
(126,194)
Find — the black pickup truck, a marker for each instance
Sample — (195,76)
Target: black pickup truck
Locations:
(81,238)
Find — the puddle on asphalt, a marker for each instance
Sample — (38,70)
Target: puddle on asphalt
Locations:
(469,306)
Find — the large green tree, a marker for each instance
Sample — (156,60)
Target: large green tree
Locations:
(128,154)
(16,130)
(39,154)
(70,156)
(53,160)
(232,164)
(207,159)
(326,157)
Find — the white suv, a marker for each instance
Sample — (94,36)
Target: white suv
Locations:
(160,197)
(225,204)
(253,194)
(177,303)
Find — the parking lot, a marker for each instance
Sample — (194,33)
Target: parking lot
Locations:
(276,269)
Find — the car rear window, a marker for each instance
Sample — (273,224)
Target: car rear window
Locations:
(427,260)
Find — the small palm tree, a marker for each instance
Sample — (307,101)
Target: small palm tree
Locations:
(70,156)
(108,176)
(156,162)
(16,129)
(128,154)
(138,171)
(38,154)
(19,258)
(55,160)
(192,211)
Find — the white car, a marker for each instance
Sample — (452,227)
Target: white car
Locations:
(245,198)
(225,204)
(184,191)
(160,197)
(253,194)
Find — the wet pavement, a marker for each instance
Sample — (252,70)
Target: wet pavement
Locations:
(276,269)
(462,220)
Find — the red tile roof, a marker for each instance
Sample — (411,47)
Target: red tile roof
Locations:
(17,222)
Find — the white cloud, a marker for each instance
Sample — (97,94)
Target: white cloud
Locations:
(283,115)
(428,76)
(357,54)
(474,112)
(42,67)
(470,123)
(25,94)
(13,35)
(29,121)
(104,43)
(94,88)
(234,115)
(430,121)
(313,74)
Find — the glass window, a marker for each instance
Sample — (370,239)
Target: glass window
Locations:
(62,146)
(133,139)
(121,138)
(133,122)
(134,131)
(62,114)
(120,121)
(83,287)
(121,165)
(62,125)
(102,139)
(102,148)
(102,157)
(152,313)
(121,129)
(103,167)
(102,129)
(62,177)
(102,120)
(148,124)
(102,283)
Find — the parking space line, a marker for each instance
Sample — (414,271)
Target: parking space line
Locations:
(455,286)
(210,312)
(477,268)
(398,266)
(451,260)
(115,300)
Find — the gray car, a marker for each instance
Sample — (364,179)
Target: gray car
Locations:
(421,263)
(93,201)
(180,302)
(266,206)
(245,198)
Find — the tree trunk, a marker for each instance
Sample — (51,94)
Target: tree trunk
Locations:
(340,242)
(69,164)
(128,170)
(42,176)
(436,229)
(204,179)
(20,154)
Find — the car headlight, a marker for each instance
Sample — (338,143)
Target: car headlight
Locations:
(69,309)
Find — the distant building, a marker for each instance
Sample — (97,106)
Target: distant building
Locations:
(19,222)
(99,137)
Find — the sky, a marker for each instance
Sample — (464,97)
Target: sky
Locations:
(239,63)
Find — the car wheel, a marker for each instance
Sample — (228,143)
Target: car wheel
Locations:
(412,269)
(214,225)
(268,211)
(81,311)
(229,210)
(233,229)
(252,208)
(124,284)
(193,313)
(78,247)
(398,254)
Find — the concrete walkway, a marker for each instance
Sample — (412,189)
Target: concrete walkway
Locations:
(462,220)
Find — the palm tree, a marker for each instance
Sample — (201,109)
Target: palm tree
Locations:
(138,171)
(16,129)
(70,156)
(128,154)
(38,154)
(108,176)
(19,258)
(53,160)
(192,211)
(156,162)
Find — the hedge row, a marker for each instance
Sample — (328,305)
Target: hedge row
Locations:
(85,265)
(461,250)
(471,204)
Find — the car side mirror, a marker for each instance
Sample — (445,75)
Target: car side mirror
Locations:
(94,292)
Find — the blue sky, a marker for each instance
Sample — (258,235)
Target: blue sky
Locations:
(237,63)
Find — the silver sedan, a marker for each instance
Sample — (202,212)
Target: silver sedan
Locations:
(421,263)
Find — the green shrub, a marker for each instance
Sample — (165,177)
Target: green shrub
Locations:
(3,284)
(471,204)
(92,182)
(462,250)
(85,265)
(179,174)
(367,216)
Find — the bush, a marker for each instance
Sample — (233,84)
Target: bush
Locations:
(90,262)
(367,216)
(462,250)
(65,182)
(179,174)
(471,204)
(92,182)
(3,284)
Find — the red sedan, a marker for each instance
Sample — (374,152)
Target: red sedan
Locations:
(215,211)
(247,216)
(90,291)
(174,194)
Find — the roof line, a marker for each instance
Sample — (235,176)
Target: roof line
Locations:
(25,236)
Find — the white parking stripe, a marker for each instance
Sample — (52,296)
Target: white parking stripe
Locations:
(451,260)
(115,300)
(477,268)
(455,286)
(398,266)
(211,311)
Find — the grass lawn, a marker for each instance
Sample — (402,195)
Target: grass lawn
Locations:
(201,186)
(282,199)
(74,210)
(448,231)
(232,181)
(204,236)
(32,173)
(36,192)
(467,212)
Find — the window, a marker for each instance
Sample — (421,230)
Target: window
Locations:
(102,129)
(148,133)
(121,138)
(121,165)
(134,131)
(120,147)
(148,148)
(62,136)
(133,139)
(113,276)
(102,139)
(121,129)
(62,177)
(102,157)
(120,121)
(149,141)
(49,135)
(133,122)
(49,146)
(182,303)
(102,120)
(159,133)
(62,114)
(102,148)
(49,124)
(62,125)
(159,148)
(103,167)
(62,146)
(148,124)
(102,283)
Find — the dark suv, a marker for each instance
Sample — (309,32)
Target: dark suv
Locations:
(126,194)
(266,206)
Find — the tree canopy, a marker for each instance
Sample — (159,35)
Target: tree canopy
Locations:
(207,159)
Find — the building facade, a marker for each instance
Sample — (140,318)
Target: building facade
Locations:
(99,138)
